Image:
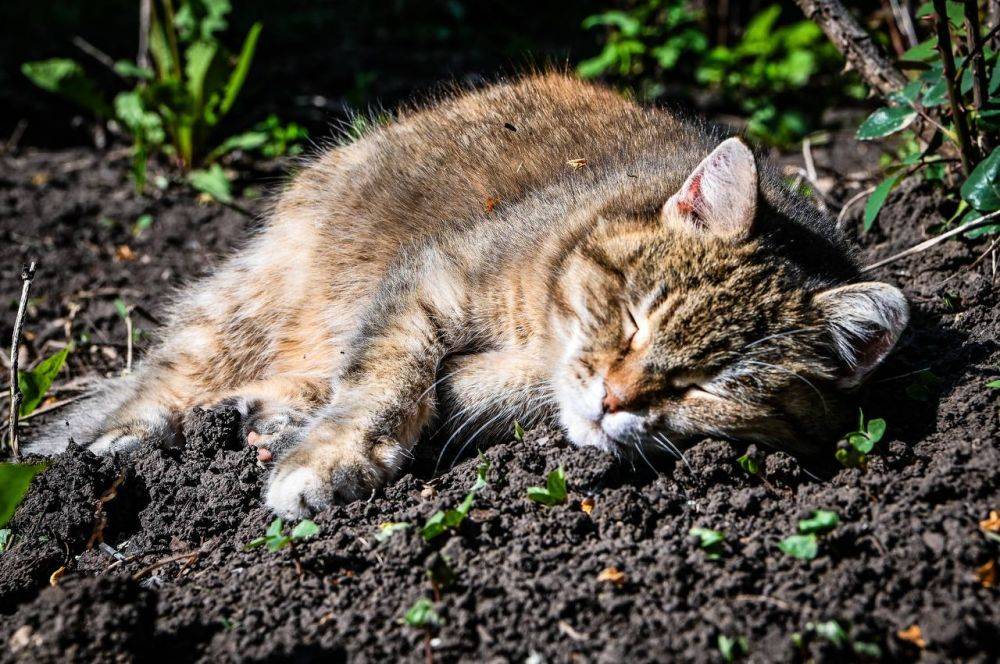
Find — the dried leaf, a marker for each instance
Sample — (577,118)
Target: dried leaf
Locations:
(587,505)
(987,574)
(56,575)
(124,253)
(576,164)
(912,634)
(490,203)
(992,524)
(612,575)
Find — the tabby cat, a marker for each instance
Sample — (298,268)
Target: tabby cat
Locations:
(539,249)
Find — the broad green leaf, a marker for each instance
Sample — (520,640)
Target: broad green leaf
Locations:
(304,530)
(885,121)
(803,547)
(144,124)
(861,442)
(925,50)
(982,189)
(239,75)
(987,229)
(66,77)
(35,384)
(15,478)
(441,521)
(936,95)
(250,140)
(275,528)
(160,49)
(994,384)
(198,60)
(876,429)
(877,200)
(709,540)
(820,522)
(554,491)
(908,95)
(422,614)
(201,19)
(212,181)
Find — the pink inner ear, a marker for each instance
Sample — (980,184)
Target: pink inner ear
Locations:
(687,204)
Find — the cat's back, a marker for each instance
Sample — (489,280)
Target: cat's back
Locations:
(471,154)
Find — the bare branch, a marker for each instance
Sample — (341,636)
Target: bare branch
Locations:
(862,54)
(927,244)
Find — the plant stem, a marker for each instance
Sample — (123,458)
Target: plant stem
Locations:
(966,149)
(27,274)
(980,89)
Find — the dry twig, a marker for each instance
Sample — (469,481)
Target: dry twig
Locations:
(27,274)
(927,244)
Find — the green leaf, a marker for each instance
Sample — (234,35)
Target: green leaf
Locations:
(390,528)
(275,528)
(422,614)
(803,547)
(482,473)
(821,521)
(749,464)
(730,649)
(212,181)
(5,539)
(246,141)
(15,478)
(885,121)
(925,50)
(198,59)
(304,530)
(518,431)
(877,200)
(201,19)
(709,540)
(129,69)
(66,78)
(994,384)
(861,442)
(239,75)
(876,429)
(866,649)
(441,521)
(554,491)
(831,631)
(145,125)
(254,543)
(35,384)
(982,189)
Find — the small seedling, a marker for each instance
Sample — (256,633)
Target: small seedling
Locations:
(854,448)
(15,478)
(994,384)
(748,462)
(444,520)
(709,540)
(422,615)
(518,431)
(832,631)
(276,540)
(731,648)
(805,545)
(554,491)
(822,521)
(6,538)
(390,528)
(35,384)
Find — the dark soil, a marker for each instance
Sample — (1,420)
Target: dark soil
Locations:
(174,581)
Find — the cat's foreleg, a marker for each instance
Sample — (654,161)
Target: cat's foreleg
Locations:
(381,402)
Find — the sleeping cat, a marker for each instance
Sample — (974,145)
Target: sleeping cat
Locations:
(541,249)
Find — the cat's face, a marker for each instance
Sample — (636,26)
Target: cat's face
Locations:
(690,327)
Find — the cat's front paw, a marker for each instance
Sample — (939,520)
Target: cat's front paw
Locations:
(330,467)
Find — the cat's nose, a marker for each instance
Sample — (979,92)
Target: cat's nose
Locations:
(612,403)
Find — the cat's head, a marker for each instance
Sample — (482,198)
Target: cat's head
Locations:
(688,323)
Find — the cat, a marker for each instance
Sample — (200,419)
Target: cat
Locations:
(542,249)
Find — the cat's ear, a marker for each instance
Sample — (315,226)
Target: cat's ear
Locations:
(864,321)
(719,197)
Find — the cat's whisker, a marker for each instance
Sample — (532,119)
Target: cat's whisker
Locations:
(509,412)
(797,375)
(435,384)
(680,455)
(637,444)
